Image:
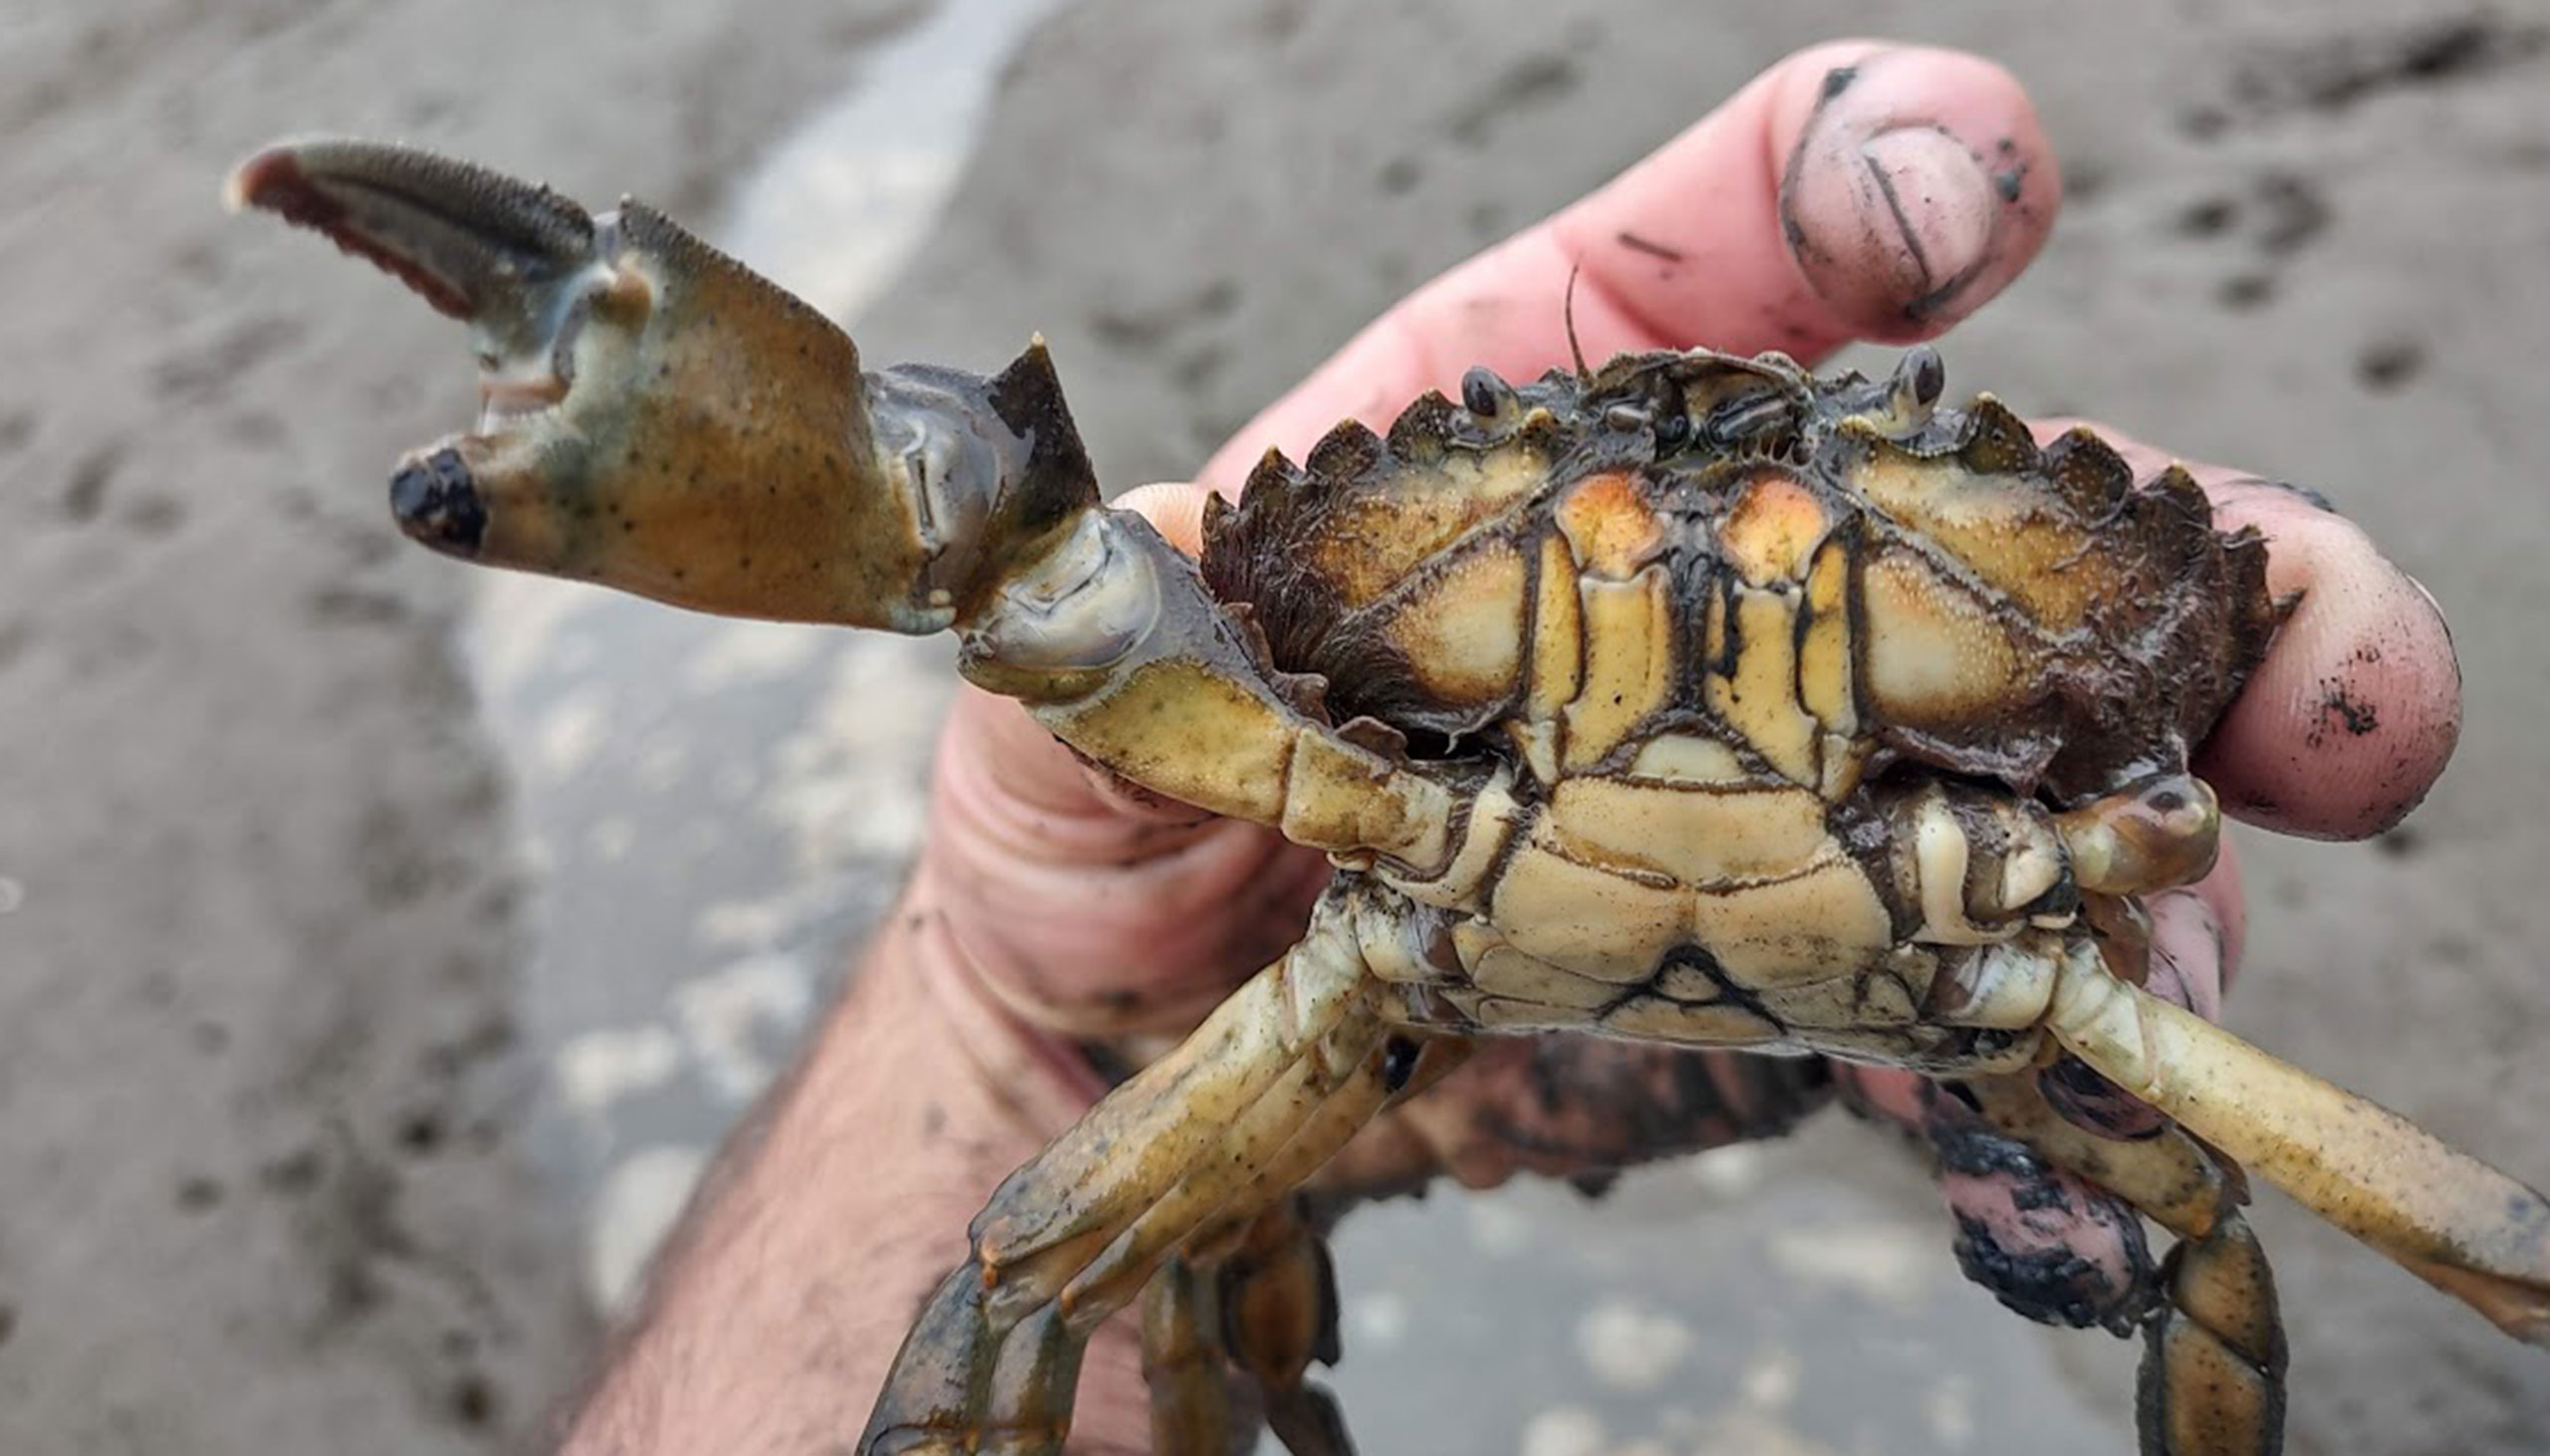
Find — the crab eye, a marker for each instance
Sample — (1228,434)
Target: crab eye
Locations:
(1673,431)
(1924,377)
(1483,393)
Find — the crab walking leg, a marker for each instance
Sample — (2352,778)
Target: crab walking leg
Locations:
(2460,1225)
(1299,1124)
(2213,1364)
(1263,1301)
(937,1391)
(1178,1113)
(1279,1316)
(1278,1078)
(1183,1363)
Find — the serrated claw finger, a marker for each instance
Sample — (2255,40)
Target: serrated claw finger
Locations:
(476,244)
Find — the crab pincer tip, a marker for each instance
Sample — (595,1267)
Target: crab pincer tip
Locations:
(277,179)
(452,232)
(256,181)
(437,502)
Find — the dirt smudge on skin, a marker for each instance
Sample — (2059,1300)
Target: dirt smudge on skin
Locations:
(2050,1286)
(1636,244)
(2341,708)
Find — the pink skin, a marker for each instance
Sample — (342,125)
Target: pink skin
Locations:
(1051,904)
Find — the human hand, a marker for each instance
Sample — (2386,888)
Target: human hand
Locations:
(1853,192)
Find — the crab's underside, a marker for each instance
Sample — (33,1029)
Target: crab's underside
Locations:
(1694,700)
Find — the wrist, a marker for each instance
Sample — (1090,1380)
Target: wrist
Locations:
(937,1027)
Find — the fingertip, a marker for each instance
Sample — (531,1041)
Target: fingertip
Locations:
(2191,949)
(1856,190)
(1914,184)
(2226,905)
(2354,712)
(1175,509)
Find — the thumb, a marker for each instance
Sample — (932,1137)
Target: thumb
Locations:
(1176,508)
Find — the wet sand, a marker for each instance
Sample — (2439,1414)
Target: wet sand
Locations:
(296,987)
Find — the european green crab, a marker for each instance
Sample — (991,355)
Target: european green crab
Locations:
(1693,700)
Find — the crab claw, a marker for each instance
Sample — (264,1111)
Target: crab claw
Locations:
(657,417)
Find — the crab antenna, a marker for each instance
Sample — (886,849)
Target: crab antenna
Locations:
(1567,311)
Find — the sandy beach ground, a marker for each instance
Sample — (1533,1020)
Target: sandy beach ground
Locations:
(381,951)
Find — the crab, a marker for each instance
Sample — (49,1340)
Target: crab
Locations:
(1694,700)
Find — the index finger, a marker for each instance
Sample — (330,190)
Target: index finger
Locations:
(1854,191)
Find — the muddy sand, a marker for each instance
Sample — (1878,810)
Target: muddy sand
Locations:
(319,1133)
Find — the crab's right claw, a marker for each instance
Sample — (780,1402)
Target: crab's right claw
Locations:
(659,418)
